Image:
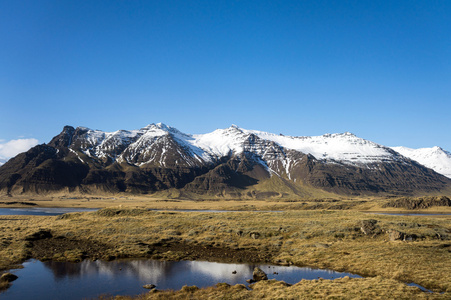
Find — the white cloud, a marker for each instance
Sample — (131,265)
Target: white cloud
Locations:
(14,147)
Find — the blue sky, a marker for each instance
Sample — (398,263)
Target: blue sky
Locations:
(379,69)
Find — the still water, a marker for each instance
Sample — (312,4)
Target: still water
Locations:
(55,211)
(63,280)
(41,211)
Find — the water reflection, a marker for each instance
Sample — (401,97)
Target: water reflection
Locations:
(154,271)
(54,280)
(142,270)
(41,211)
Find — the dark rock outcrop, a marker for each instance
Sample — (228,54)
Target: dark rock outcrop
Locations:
(370,227)
(394,235)
(258,275)
(8,277)
(39,235)
(149,286)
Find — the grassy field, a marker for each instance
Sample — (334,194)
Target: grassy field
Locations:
(342,288)
(369,204)
(338,234)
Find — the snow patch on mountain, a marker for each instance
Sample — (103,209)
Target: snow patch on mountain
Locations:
(434,158)
(221,142)
(154,142)
(342,147)
(78,156)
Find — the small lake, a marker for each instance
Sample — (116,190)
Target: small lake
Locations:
(63,280)
(41,211)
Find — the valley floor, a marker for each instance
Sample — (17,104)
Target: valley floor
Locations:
(388,250)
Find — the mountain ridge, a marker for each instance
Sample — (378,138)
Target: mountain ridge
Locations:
(231,162)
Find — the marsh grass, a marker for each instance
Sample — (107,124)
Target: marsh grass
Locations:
(316,238)
(342,288)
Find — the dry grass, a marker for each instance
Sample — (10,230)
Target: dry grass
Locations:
(370,204)
(342,288)
(317,238)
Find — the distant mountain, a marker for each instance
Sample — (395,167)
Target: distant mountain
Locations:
(231,163)
(435,158)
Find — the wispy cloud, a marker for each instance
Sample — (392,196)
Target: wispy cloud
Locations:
(14,147)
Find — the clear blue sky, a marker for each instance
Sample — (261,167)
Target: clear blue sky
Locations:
(379,69)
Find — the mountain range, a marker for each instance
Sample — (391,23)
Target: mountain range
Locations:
(230,163)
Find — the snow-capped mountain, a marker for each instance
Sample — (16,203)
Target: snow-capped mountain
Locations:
(231,161)
(136,146)
(435,158)
(345,148)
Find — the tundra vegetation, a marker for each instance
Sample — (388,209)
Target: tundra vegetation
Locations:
(338,234)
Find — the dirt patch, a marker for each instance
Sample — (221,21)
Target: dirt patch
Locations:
(66,249)
(62,248)
(179,251)
(39,235)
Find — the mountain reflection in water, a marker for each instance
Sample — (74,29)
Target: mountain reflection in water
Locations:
(55,280)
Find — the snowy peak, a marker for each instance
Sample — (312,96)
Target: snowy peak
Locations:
(158,127)
(231,162)
(435,158)
(221,142)
(341,147)
(164,145)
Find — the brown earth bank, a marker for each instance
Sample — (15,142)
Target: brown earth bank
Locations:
(393,249)
(61,248)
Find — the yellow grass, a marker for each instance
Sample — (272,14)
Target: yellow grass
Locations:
(318,238)
(342,288)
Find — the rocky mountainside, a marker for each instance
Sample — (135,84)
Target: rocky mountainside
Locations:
(231,162)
